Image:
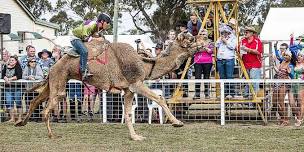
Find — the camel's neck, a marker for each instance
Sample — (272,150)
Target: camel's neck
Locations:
(167,64)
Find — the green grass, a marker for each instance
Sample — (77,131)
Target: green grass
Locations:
(115,137)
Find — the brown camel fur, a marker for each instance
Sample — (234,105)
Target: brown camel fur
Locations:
(125,70)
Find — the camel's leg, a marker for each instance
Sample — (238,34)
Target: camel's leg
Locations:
(140,88)
(33,105)
(53,102)
(128,114)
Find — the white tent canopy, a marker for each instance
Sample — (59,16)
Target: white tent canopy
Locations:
(282,22)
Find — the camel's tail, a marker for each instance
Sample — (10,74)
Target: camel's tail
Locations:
(44,92)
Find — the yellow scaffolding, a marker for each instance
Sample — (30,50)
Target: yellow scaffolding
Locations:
(219,15)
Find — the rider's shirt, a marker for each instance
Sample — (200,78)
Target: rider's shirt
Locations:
(85,30)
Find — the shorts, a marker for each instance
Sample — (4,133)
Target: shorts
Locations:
(89,90)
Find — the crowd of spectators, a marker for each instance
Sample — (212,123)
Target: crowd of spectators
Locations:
(288,60)
(30,67)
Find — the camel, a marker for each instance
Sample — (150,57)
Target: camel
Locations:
(125,71)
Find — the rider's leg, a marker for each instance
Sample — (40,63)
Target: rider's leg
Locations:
(83,51)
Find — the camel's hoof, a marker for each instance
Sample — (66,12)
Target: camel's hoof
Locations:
(53,136)
(138,137)
(178,124)
(20,123)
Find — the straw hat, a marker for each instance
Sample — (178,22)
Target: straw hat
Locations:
(251,29)
(232,22)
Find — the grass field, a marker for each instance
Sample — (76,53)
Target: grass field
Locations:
(115,137)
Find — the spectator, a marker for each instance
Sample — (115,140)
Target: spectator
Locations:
(46,61)
(5,59)
(11,72)
(90,93)
(56,53)
(226,57)
(252,47)
(75,95)
(171,37)
(30,50)
(194,25)
(280,90)
(299,74)
(32,71)
(158,49)
(203,64)
(210,28)
(183,28)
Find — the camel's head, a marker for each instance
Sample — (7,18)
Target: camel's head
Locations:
(185,41)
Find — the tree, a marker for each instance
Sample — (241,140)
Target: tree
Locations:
(38,7)
(65,23)
(158,23)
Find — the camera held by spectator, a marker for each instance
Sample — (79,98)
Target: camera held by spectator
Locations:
(138,41)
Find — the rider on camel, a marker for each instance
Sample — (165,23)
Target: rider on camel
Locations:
(84,33)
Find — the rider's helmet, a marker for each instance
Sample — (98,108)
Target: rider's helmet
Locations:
(104,17)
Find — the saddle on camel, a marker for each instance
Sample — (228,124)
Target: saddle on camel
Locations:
(115,67)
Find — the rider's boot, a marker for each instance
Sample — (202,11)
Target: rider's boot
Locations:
(86,75)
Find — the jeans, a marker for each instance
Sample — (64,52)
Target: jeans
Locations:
(12,95)
(254,73)
(225,68)
(81,49)
(202,68)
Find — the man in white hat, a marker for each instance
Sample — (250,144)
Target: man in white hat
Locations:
(252,58)
(226,45)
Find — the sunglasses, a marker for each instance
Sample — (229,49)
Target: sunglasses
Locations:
(282,48)
(32,61)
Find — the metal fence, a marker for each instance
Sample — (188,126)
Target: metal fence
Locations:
(222,101)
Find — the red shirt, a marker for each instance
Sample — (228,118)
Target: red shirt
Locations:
(253,60)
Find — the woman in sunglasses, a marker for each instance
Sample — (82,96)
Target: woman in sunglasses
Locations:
(32,71)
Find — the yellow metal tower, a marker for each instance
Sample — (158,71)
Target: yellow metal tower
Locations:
(216,8)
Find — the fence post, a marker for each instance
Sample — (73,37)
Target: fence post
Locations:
(222,103)
(104,106)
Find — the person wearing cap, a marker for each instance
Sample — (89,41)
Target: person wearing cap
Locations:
(46,61)
(84,33)
(226,45)
(30,53)
(252,47)
(194,25)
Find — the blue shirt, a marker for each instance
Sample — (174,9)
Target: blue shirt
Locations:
(226,51)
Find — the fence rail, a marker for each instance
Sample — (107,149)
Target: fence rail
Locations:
(222,100)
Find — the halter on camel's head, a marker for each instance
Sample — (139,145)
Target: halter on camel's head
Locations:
(185,41)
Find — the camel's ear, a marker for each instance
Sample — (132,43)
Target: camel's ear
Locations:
(180,37)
